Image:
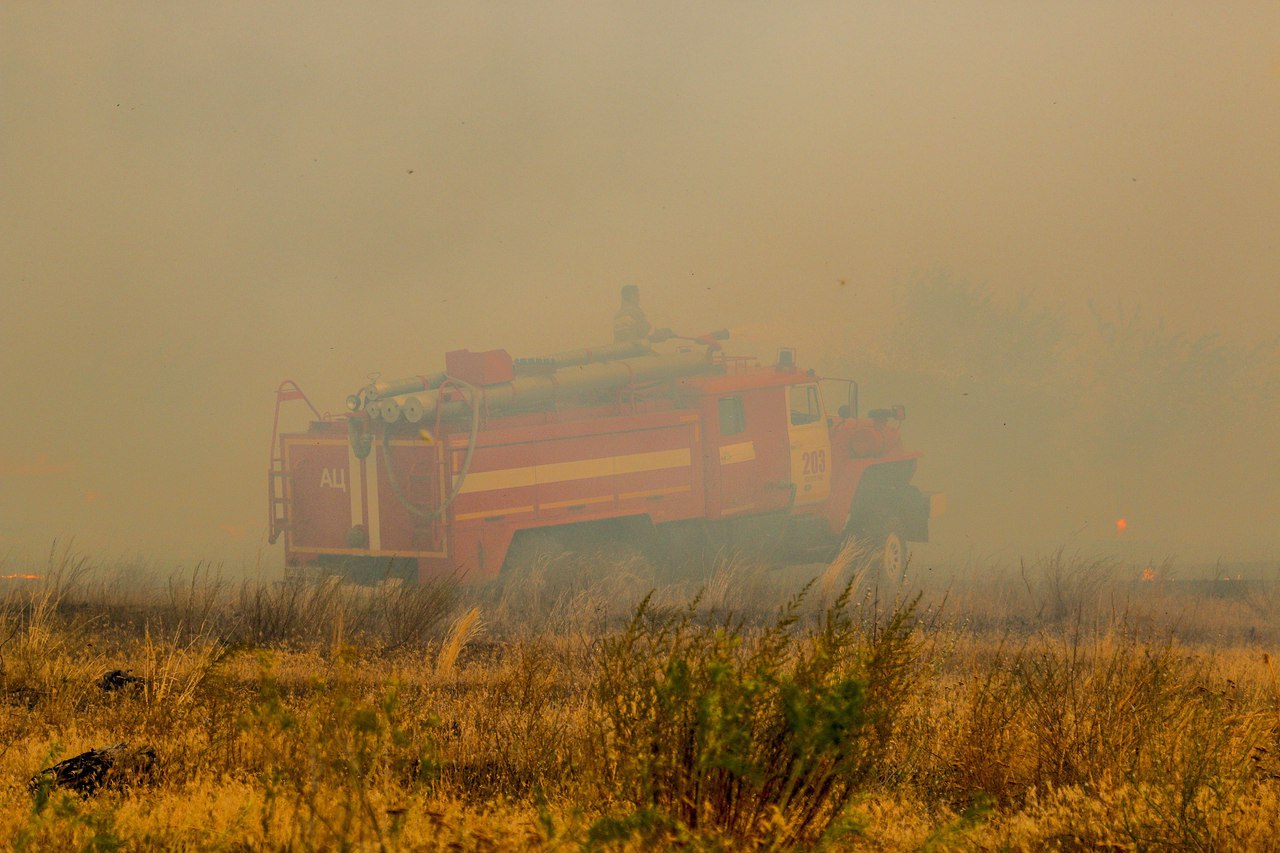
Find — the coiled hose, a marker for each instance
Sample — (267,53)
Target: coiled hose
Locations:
(418,512)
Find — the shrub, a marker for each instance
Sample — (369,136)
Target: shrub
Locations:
(761,736)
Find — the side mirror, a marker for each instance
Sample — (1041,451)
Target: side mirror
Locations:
(844,412)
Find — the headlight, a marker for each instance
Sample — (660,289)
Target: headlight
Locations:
(353,403)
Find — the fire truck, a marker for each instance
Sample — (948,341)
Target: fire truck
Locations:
(666,440)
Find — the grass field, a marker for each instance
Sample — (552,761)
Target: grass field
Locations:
(592,701)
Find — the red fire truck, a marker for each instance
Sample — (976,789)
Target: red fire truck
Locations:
(668,439)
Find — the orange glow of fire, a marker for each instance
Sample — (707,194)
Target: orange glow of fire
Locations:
(20,577)
(1121,526)
(1148,574)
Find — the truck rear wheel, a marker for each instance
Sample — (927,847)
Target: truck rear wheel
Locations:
(531,550)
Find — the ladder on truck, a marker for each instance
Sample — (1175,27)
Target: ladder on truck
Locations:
(277,519)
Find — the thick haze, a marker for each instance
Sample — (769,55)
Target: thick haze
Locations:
(201,199)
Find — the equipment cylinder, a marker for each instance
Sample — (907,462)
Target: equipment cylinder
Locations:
(588,355)
(408,385)
(412,409)
(536,391)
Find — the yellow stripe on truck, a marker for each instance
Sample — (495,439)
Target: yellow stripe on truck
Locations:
(372,521)
(742,452)
(578,469)
(493,513)
(355,485)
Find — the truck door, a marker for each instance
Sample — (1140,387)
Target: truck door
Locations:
(810,444)
(739,482)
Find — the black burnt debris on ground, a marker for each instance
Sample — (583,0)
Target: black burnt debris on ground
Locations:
(110,767)
(22,696)
(118,679)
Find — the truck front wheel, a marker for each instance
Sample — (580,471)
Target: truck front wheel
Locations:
(893,555)
(886,542)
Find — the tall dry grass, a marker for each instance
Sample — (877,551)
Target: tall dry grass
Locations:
(1055,709)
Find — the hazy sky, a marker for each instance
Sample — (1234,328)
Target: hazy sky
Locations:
(200,199)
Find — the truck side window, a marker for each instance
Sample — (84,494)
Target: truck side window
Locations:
(805,408)
(732,420)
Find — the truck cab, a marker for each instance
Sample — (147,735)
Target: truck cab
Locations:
(804,469)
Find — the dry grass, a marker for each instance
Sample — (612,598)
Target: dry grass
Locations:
(1051,704)
(464,628)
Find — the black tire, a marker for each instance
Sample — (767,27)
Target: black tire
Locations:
(685,550)
(893,554)
(531,550)
(886,544)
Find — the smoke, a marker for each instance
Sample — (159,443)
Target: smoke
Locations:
(1098,429)
(201,200)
